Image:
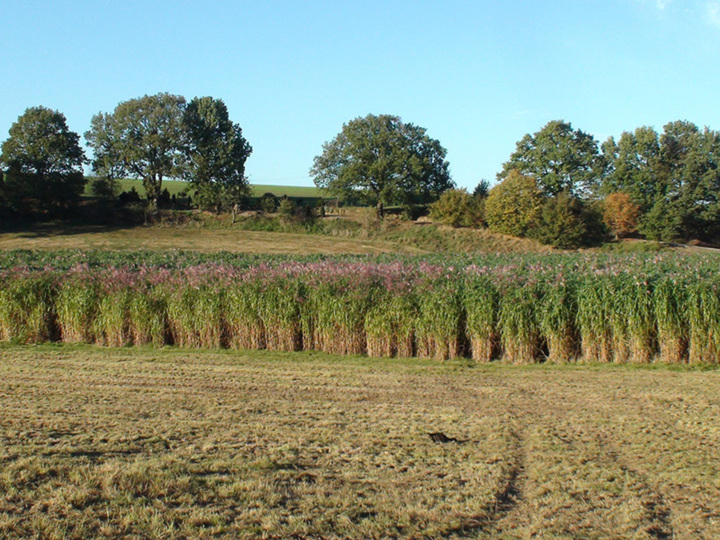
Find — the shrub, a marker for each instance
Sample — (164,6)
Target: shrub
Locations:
(704,314)
(268,203)
(457,208)
(286,211)
(556,319)
(129,197)
(104,188)
(560,223)
(670,298)
(194,316)
(280,314)
(243,323)
(340,308)
(112,323)
(519,327)
(513,205)
(620,214)
(390,325)
(594,313)
(148,320)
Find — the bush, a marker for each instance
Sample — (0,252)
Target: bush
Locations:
(664,222)
(129,197)
(268,203)
(457,208)
(620,214)
(560,223)
(513,205)
(104,188)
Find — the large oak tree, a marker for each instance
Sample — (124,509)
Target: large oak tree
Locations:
(44,162)
(381,160)
(142,138)
(560,158)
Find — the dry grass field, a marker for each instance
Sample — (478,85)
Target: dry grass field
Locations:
(402,238)
(141,443)
(196,239)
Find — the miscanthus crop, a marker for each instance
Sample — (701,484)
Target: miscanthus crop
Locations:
(515,309)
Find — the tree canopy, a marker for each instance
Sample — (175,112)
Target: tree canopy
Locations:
(215,153)
(634,166)
(381,160)
(560,158)
(142,138)
(43,160)
(673,178)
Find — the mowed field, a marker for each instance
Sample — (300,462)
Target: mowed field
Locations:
(160,238)
(170,443)
(403,238)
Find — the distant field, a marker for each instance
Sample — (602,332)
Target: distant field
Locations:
(291,191)
(173,443)
(174,187)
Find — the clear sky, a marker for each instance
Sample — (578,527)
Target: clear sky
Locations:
(477,74)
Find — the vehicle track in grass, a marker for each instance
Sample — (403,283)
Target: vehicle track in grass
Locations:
(309,445)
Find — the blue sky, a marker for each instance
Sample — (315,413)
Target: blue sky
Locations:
(477,75)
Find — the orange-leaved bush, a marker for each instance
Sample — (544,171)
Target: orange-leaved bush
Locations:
(621,214)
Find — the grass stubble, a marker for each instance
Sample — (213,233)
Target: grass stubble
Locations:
(177,443)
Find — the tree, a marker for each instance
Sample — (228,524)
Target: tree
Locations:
(215,154)
(620,214)
(514,204)
(663,222)
(560,158)
(44,162)
(691,159)
(635,167)
(457,208)
(560,222)
(380,160)
(674,178)
(142,138)
(107,163)
(482,189)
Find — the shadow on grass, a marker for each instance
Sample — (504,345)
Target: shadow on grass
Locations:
(55,230)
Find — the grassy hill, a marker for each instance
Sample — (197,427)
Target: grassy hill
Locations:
(207,232)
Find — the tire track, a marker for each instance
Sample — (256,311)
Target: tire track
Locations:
(656,507)
(509,498)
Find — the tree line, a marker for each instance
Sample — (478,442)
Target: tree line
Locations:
(563,188)
(560,185)
(151,138)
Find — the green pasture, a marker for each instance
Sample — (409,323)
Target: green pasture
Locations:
(175,187)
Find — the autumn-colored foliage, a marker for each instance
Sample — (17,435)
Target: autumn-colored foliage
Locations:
(621,214)
(513,205)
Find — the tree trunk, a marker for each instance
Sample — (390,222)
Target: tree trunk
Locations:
(380,210)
